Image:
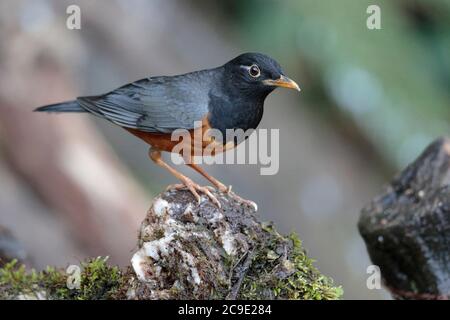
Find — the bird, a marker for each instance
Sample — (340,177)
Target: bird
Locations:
(230,96)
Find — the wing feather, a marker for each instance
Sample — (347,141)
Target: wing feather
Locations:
(159,104)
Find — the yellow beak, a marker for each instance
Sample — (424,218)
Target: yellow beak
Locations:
(284,82)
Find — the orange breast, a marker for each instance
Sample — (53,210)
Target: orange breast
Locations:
(164,142)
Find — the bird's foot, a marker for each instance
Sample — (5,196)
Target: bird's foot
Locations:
(227,190)
(246,202)
(222,188)
(194,188)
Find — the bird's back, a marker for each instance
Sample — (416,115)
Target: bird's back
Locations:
(156,104)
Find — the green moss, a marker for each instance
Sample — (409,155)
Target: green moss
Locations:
(281,270)
(98,280)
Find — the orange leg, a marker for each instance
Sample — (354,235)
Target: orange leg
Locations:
(221,187)
(194,188)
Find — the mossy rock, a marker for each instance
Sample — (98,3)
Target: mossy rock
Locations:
(188,250)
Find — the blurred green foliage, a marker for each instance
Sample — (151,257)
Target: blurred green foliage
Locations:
(392,84)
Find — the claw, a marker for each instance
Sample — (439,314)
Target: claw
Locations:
(223,188)
(193,188)
(206,191)
(244,201)
(195,193)
(210,188)
(176,186)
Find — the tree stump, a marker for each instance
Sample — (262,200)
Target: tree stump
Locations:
(407,227)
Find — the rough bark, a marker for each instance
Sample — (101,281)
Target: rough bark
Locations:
(190,250)
(407,227)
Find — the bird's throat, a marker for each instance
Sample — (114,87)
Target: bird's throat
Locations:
(243,115)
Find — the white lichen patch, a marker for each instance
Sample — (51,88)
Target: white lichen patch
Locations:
(157,248)
(195,276)
(173,224)
(228,242)
(271,255)
(218,216)
(140,262)
(160,207)
(189,262)
(37,295)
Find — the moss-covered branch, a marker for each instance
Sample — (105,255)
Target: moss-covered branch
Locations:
(189,251)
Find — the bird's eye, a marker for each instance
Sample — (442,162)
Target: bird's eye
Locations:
(254,71)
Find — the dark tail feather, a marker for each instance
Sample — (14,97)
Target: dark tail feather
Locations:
(69,106)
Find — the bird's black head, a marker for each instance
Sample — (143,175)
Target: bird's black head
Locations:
(255,74)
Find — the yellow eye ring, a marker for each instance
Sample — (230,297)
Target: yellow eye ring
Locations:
(254,71)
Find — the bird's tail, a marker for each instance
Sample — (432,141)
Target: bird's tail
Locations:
(69,106)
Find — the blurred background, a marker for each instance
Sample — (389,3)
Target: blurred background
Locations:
(73,186)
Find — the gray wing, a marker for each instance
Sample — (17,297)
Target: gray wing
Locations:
(158,104)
